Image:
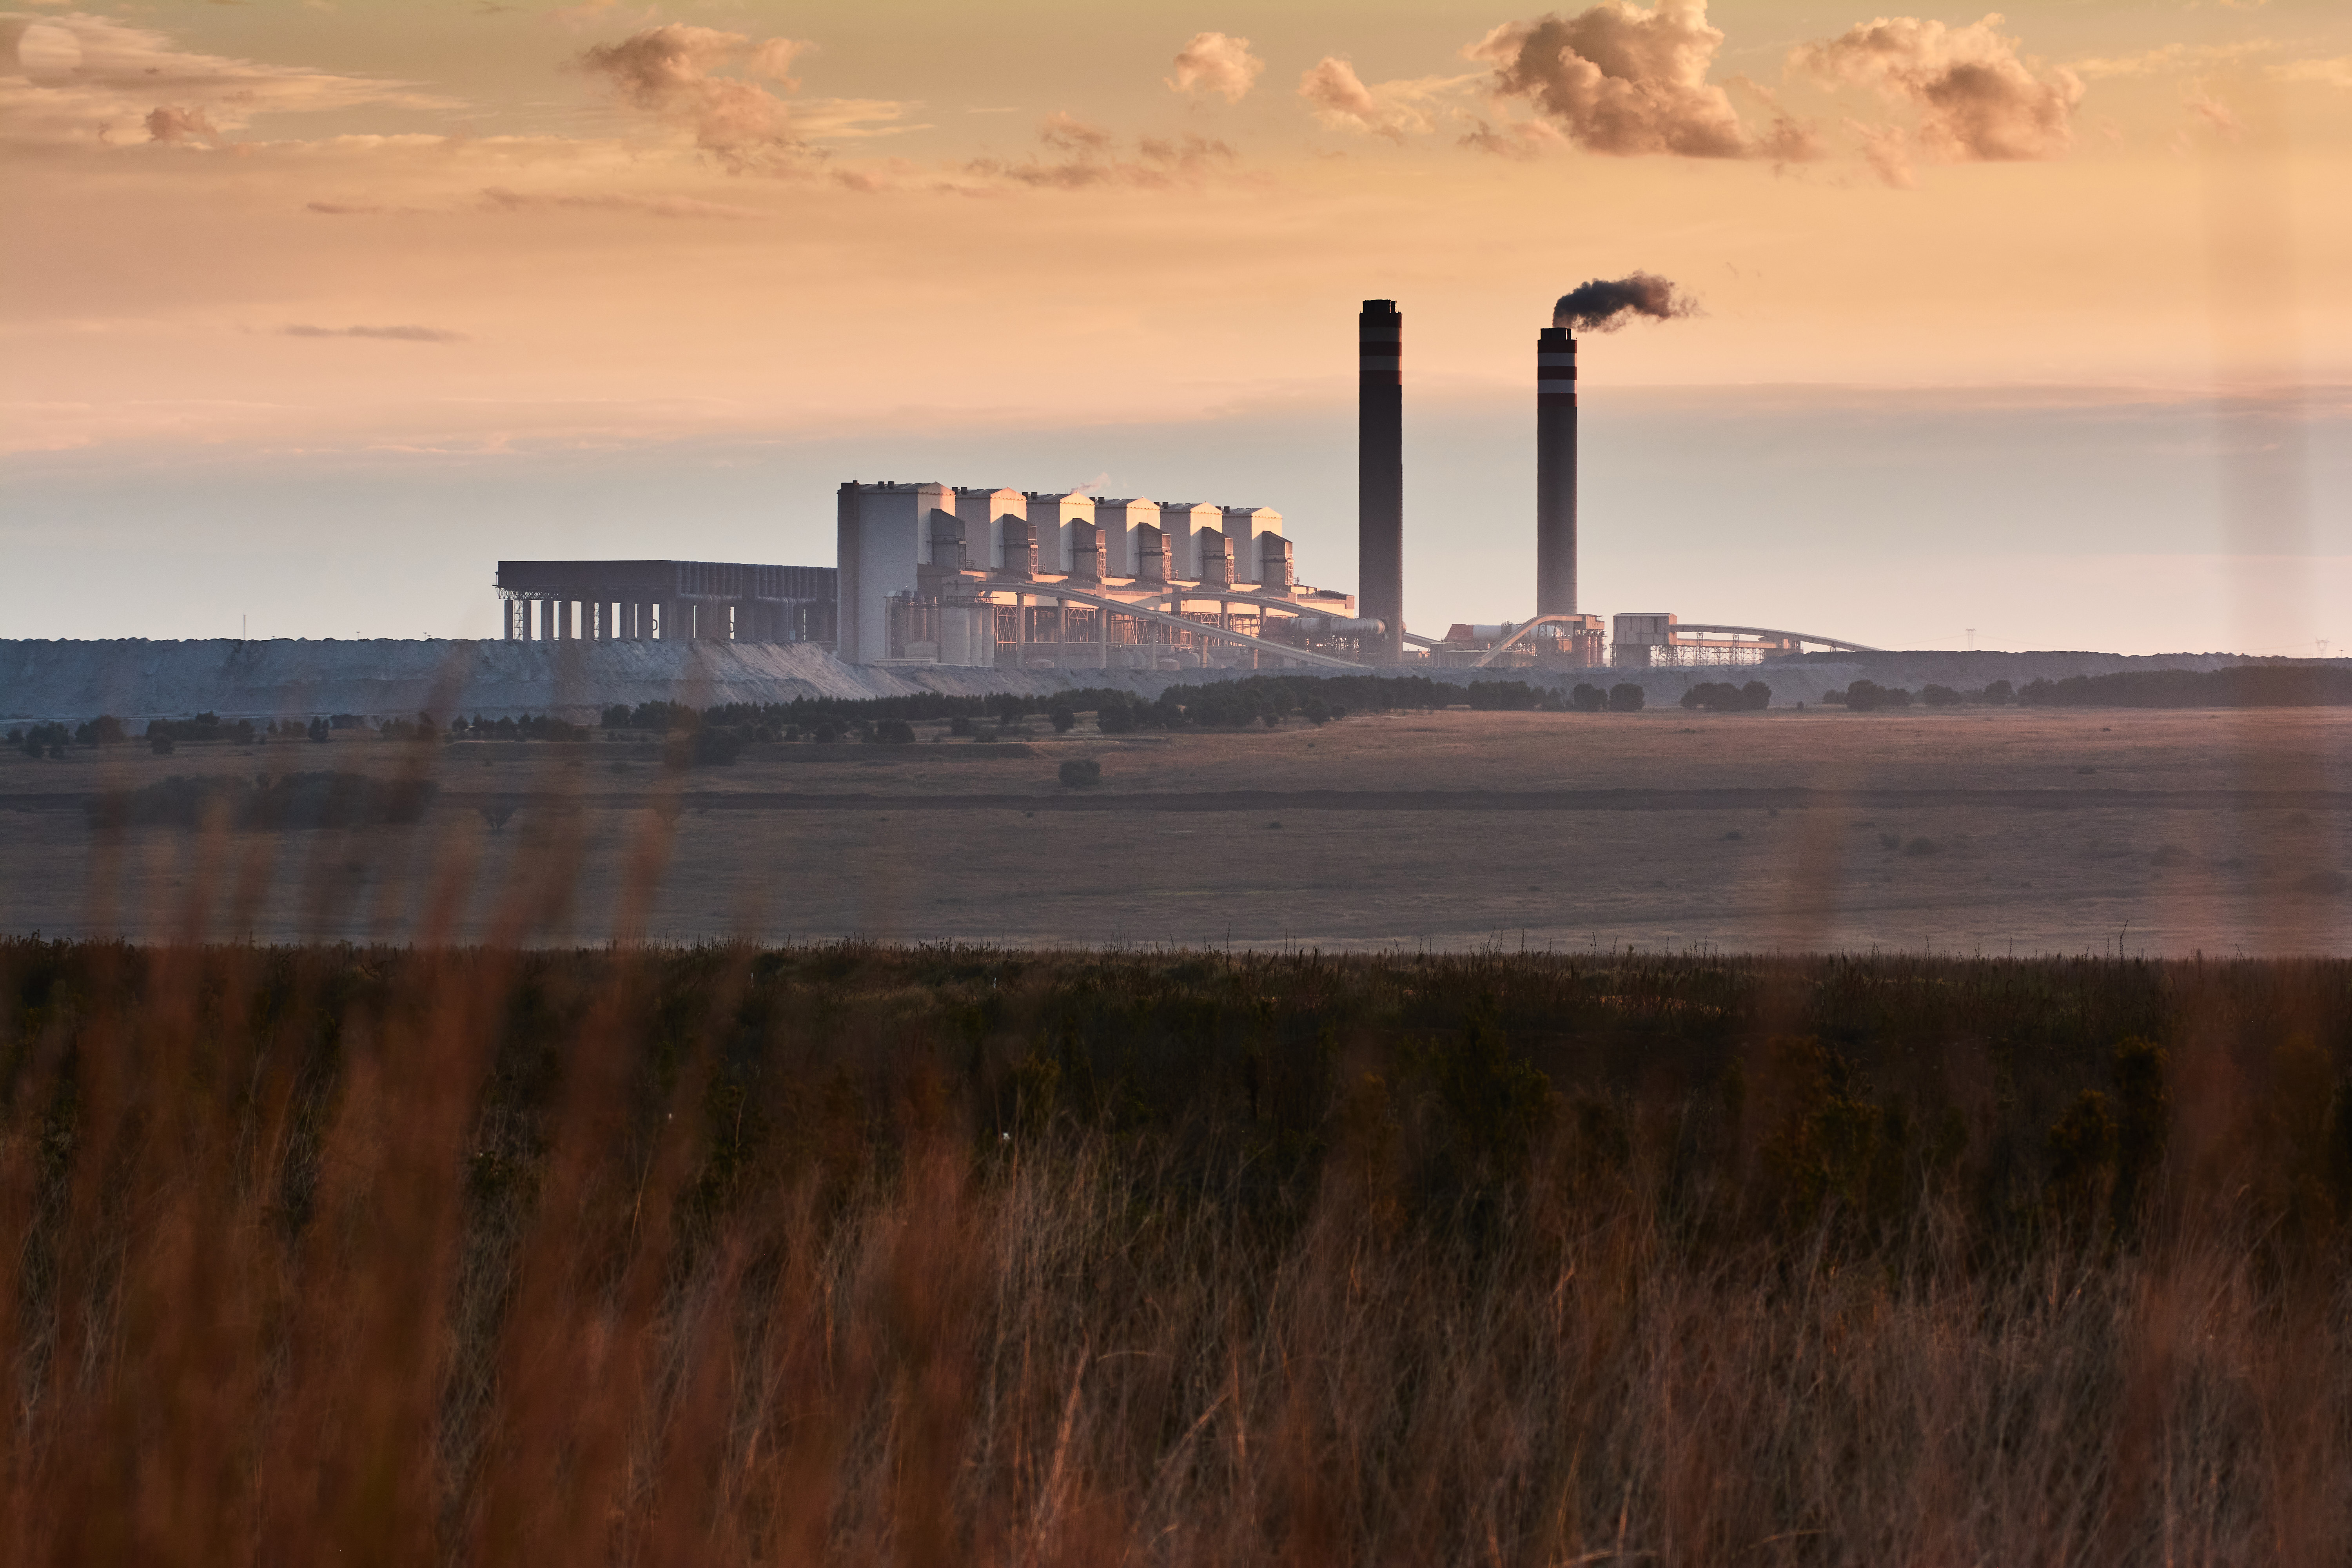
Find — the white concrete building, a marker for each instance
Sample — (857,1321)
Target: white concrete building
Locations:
(981,509)
(1119,518)
(1182,521)
(924,577)
(1246,527)
(1051,513)
(882,534)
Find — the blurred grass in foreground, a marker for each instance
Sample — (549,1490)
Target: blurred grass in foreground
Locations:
(951,1255)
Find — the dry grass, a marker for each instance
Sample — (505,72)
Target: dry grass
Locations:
(345,1255)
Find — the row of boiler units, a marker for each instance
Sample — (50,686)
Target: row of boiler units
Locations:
(966,575)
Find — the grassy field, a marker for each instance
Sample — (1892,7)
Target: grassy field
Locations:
(1965,830)
(945,1256)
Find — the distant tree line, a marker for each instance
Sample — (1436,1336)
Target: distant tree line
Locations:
(1722,697)
(1868,695)
(2238,686)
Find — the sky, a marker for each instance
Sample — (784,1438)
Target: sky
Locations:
(2029,330)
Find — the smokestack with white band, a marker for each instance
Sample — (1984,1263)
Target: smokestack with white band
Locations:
(1555,472)
(1379,478)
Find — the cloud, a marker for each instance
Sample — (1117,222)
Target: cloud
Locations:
(1626,81)
(1393,109)
(2336,72)
(2212,111)
(1067,133)
(1218,63)
(1887,151)
(669,72)
(498,198)
(340,209)
(73,80)
(389,334)
(1087,157)
(1514,138)
(1977,99)
(1336,92)
(169,123)
(2170,59)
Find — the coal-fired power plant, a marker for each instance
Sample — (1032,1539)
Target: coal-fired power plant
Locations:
(1380,477)
(1555,472)
(1559,636)
(1064,579)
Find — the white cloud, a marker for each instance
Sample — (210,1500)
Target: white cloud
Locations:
(1392,109)
(2336,72)
(76,81)
(1620,80)
(1087,157)
(1977,99)
(1218,63)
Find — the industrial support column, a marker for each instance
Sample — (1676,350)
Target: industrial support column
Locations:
(1555,472)
(1380,476)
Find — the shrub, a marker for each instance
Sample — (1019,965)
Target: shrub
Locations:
(1081,773)
(1626,698)
(960,725)
(1063,719)
(894,732)
(1864,696)
(105,729)
(827,733)
(1115,717)
(318,730)
(160,742)
(1940,697)
(1587,698)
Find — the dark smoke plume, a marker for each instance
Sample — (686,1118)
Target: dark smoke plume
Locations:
(1605,305)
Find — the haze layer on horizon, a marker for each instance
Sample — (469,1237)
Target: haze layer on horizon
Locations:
(2039,324)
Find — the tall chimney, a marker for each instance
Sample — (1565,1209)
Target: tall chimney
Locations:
(1380,476)
(1555,472)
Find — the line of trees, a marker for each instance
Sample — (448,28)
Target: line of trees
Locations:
(2236,686)
(1722,697)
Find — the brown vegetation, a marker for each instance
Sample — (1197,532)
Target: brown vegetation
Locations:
(954,1256)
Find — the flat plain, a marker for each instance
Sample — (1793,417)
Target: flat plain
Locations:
(1966,830)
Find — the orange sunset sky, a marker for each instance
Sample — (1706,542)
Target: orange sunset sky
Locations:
(2037,323)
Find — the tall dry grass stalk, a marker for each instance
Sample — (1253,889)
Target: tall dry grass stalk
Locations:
(356,1257)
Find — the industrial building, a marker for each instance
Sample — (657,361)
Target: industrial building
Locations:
(648,601)
(936,573)
(974,576)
